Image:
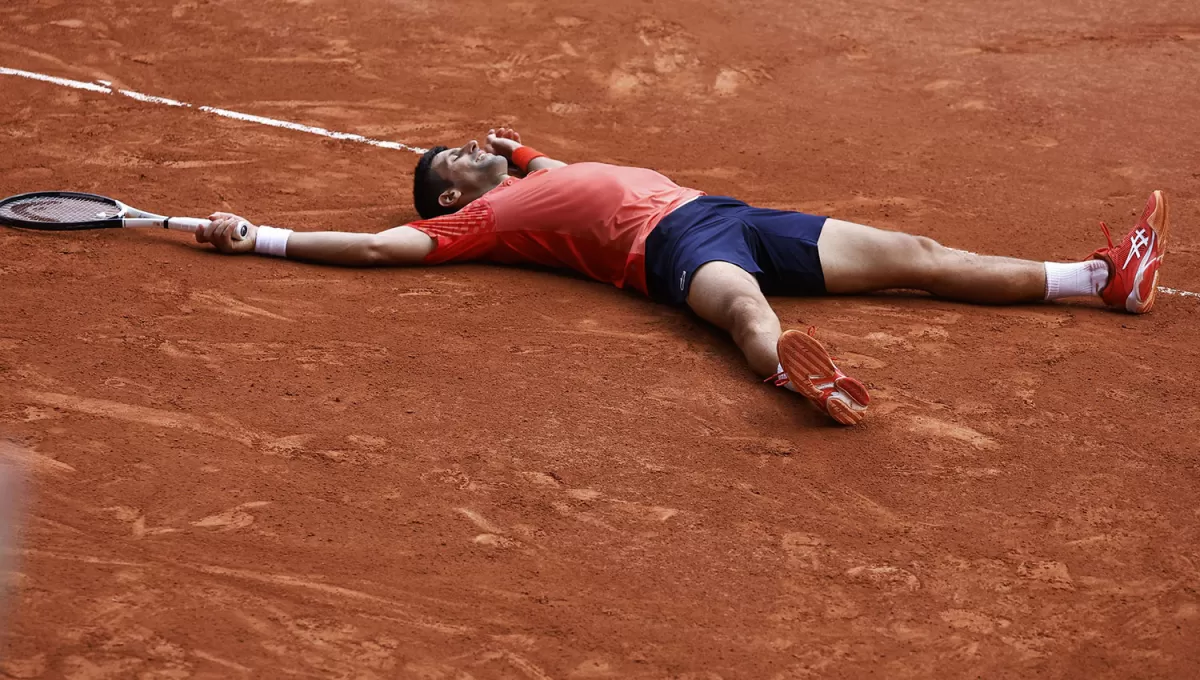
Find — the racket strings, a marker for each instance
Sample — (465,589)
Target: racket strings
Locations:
(58,209)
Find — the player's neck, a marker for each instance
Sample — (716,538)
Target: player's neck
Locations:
(495,183)
(482,190)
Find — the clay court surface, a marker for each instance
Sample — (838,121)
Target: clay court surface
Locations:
(243,467)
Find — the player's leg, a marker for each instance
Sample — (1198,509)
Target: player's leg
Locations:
(730,297)
(859,259)
(705,256)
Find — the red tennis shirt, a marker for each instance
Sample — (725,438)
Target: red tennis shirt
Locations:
(590,217)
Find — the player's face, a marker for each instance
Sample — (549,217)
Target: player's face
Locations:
(469,167)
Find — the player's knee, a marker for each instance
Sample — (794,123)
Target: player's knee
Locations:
(927,258)
(749,316)
(927,248)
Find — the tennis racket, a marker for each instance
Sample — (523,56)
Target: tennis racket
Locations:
(72,211)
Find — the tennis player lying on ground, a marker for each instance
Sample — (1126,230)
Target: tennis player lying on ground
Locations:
(635,228)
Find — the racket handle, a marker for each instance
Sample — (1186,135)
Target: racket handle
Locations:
(188,224)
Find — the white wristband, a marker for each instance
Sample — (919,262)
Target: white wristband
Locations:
(272,241)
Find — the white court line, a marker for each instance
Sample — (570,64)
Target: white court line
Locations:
(1174,291)
(77,84)
(105,87)
(308,128)
(153,100)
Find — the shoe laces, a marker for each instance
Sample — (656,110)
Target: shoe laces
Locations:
(1107,235)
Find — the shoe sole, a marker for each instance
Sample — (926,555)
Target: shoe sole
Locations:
(1161,235)
(808,365)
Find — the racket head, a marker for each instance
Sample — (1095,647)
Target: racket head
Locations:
(61,211)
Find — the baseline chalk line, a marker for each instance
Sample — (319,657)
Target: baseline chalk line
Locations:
(1175,291)
(105,87)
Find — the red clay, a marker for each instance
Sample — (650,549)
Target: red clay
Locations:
(246,467)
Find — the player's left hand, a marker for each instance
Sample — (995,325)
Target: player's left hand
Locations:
(221,233)
(502,142)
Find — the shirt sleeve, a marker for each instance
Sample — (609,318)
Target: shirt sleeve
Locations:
(469,234)
(464,235)
(474,218)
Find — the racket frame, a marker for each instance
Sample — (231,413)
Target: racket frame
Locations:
(126,218)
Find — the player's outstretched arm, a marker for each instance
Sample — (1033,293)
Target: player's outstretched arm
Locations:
(398,246)
(507,142)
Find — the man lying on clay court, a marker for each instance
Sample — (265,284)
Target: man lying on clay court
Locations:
(633,227)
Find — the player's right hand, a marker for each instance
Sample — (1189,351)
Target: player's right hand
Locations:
(223,230)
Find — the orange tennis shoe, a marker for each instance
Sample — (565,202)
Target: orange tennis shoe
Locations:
(1133,266)
(810,370)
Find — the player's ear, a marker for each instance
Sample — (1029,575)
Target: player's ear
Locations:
(449,197)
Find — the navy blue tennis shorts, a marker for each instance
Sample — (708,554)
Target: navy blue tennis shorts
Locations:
(778,247)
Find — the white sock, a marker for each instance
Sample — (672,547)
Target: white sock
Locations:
(1075,279)
(788,384)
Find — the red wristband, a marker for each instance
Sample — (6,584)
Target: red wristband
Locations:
(524,155)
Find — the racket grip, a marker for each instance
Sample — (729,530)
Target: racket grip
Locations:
(192,225)
(188,224)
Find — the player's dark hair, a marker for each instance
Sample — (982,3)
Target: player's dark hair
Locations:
(428,185)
